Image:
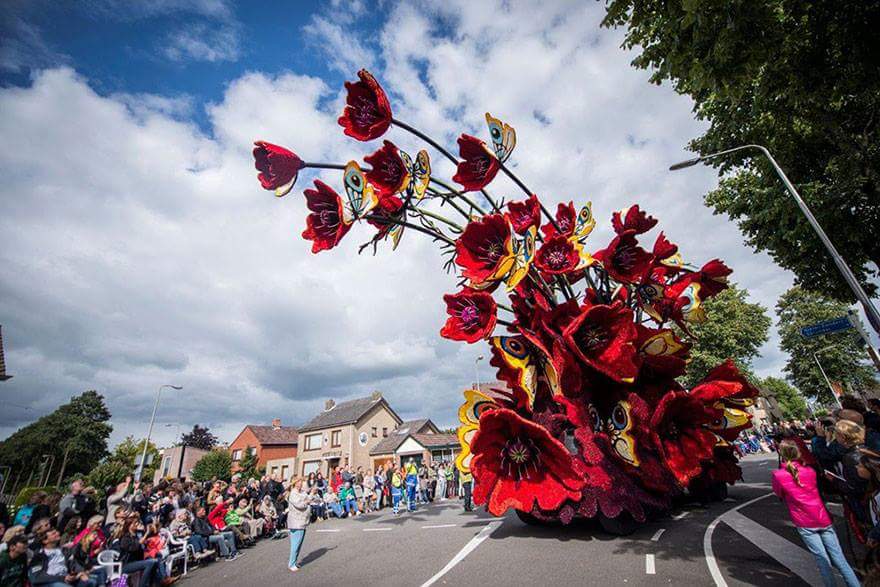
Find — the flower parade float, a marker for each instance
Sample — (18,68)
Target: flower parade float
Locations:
(592,421)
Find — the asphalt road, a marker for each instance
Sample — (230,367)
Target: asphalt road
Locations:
(751,542)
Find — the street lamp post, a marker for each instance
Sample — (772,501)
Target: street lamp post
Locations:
(821,370)
(140,469)
(477,370)
(870,310)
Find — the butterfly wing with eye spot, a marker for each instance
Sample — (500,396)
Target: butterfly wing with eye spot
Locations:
(503,137)
(360,194)
(584,224)
(523,253)
(475,403)
(516,355)
(421,174)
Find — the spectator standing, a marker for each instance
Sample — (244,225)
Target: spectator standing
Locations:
(397,488)
(412,482)
(114,502)
(298,516)
(796,486)
(441,482)
(467,486)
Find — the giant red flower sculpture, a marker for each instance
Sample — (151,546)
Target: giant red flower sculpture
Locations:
(367,112)
(278,167)
(523,215)
(324,226)
(478,166)
(557,256)
(482,247)
(472,315)
(603,337)
(624,260)
(388,174)
(518,464)
(679,428)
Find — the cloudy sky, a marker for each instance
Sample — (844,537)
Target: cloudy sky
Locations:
(137,248)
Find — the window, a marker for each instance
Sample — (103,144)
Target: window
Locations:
(384,432)
(336,438)
(252,450)
(284,472)
(274,470)
(311,467)
(166,466)
(375,432)
(236,454)
(313,442)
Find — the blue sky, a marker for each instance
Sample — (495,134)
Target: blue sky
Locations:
(137,249)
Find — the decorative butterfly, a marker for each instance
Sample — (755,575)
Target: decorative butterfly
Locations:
(693,310)
(475,403)
(528,365)
(731,421)
(619,430)
(515,264)
(586,259)
(661,344)
(418,174)
(395,232)
(503,137)
(584,224)
(361,197)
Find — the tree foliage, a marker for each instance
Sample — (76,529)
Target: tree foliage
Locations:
(81,425)
(842,354)
(735,329)
(128,452)
(249,465)
(214,465)
(200,437)
(791,402)
(802,78)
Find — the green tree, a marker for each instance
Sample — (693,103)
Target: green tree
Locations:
(735,329)
(79,429)
(249,465)
(791,402)
(214,465)
(800,77)
(842,354)
(108,474)
(128,452)
(200,437)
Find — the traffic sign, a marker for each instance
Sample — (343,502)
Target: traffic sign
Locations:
(826,327)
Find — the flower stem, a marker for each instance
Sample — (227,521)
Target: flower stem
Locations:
(324,165)
(529,192)
(447,199)
(504,307)
(503,322)
(442,219)
(470,202)
(416,227)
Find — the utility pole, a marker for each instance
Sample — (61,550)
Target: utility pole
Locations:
(63,465)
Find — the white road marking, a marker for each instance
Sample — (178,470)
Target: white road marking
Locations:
(337,530)
(649,564)
(707,543)
(468,548)
(658,534)
(680,516)
(787,553)
(440,526)
(378,529)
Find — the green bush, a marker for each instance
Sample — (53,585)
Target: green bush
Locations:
(26,492)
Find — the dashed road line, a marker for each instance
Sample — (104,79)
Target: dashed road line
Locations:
(680,516)
(378,529)
(440,526)
(649,564)
(658,534)
(468,548)
(329,530)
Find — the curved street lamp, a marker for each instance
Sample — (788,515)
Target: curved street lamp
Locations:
(870,311)
(140,469)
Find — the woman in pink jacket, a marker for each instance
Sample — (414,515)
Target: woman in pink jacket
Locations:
(795,484)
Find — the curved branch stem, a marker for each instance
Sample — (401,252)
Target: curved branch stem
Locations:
(416,227)
(425,138)
(447,199)
(324,166)
(438,217)
(528,193)
(461,195)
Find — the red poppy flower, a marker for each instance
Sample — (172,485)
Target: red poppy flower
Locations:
(663,354)
(278,167)
(523,215)
(557,256)
(472,315)
(624,260)
(663,248)
(724,383)
(565,219)
(388,174)
(604,338)
(678,426)
(482,246)
(724,467)
(518,464)
(367,112)
(632,219)
(324,226)
(478,166)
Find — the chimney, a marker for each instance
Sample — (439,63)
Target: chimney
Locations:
(328,405)
(276,423)
(377,395)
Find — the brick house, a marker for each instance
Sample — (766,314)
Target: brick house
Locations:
(344,433)
(419,440)
(266,442)
(177,462)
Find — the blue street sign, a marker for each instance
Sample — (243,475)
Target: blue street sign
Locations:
(826,327)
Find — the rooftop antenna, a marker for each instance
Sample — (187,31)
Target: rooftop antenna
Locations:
(3,375)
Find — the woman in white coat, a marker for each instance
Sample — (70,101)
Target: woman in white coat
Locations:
(298,514)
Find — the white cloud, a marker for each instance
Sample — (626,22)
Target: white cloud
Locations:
(203,42)
(136,250)
(338,44)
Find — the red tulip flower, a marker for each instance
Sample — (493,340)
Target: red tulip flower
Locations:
(472,315)
(324,226)
(603,337)
(624,260)
(566,218)
(523,215)
(482,246)
(557,256)
(367,112)
(632,219)
(517,464)
(278,167)
(478,167)
(679,431)
(388,174)
(388,207)
(724,382)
